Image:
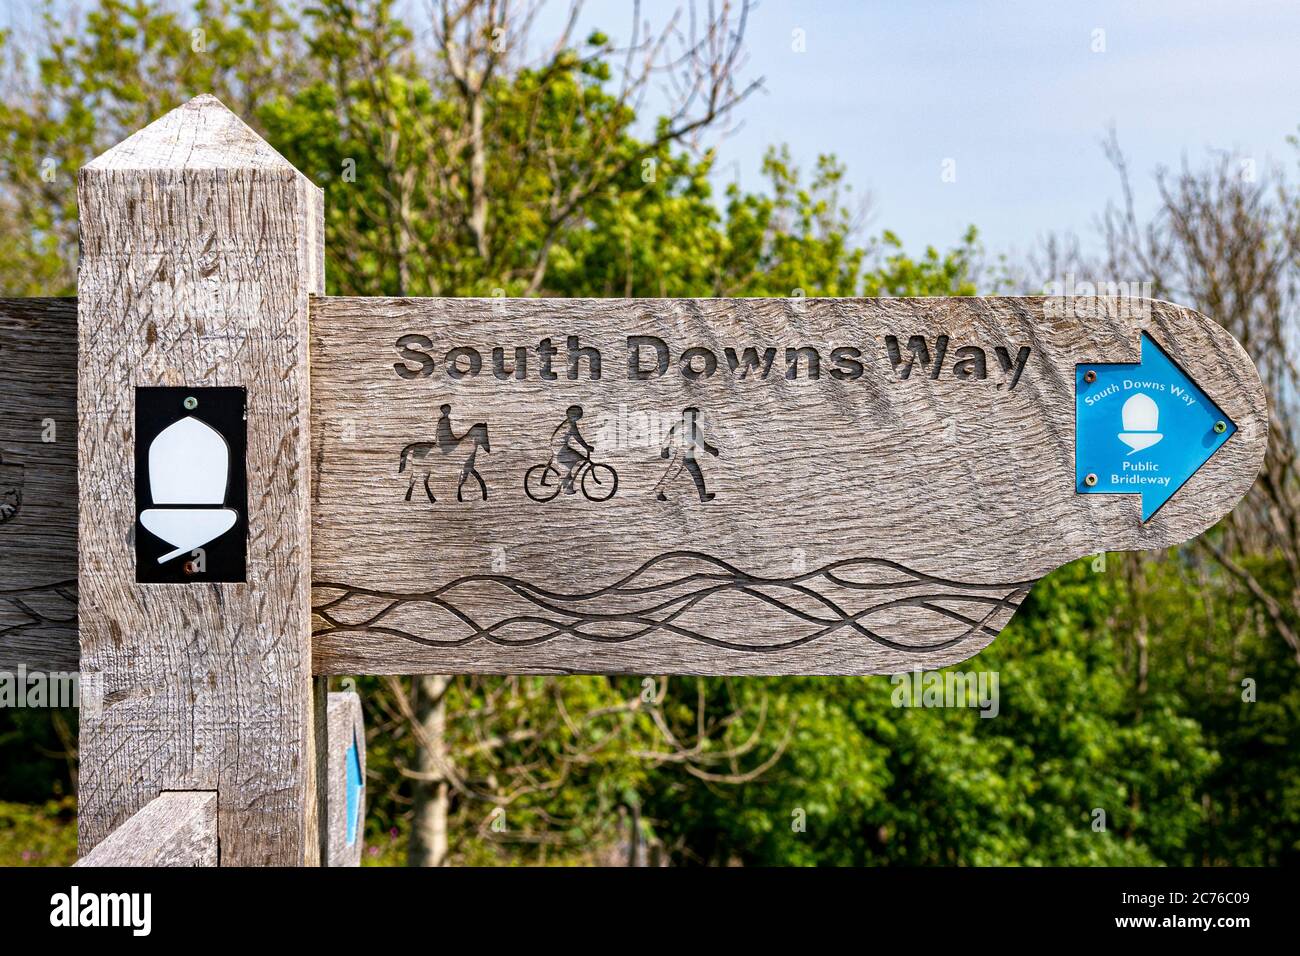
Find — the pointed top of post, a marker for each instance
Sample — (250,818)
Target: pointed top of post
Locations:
(200,134)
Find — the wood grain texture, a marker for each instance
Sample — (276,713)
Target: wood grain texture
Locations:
(38,485)
(347,738)
(173,829)
(860,525)
(200,248)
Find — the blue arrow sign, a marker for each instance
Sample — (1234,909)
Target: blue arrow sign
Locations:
(352,790)
(1142,429)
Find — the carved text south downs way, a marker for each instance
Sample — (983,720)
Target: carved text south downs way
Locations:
(650,357)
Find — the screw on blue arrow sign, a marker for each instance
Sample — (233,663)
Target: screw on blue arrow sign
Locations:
(1142,429)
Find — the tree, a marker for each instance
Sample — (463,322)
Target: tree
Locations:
(88,88)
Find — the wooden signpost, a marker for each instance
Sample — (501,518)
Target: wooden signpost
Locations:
(274,484)
(38,486)
(764,486)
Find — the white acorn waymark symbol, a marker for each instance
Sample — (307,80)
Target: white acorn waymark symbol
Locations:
(189,465)
(1141,418)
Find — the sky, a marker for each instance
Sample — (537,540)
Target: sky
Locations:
(1015,93)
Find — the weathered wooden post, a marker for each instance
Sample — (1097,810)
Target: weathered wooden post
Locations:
(200,248)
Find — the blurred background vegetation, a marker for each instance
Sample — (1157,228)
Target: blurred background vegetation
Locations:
(465,155)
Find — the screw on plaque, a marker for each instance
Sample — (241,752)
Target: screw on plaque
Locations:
(1090,376)
(191,403)
(1220,427)
(1090,480)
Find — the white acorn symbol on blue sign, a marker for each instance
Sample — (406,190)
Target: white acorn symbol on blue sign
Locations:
(1141,419)
(189,464)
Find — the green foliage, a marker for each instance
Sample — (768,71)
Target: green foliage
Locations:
(935,273)
(43,834)
(1171,764)
(91,84)
(33,752)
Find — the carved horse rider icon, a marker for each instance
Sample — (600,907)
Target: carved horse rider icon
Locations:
(11,490)
(445,442)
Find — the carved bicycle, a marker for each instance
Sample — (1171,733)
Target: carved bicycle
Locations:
(598,482)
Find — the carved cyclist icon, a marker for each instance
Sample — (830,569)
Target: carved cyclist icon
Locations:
(570,466)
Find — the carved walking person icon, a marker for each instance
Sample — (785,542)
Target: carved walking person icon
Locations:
(685,440)
(445,442)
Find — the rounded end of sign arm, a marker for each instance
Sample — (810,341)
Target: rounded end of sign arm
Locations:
(1180,424)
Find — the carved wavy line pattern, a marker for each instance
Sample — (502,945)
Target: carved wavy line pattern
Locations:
(678,593)
(37,608)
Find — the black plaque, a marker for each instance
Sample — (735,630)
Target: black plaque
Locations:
(221,558)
